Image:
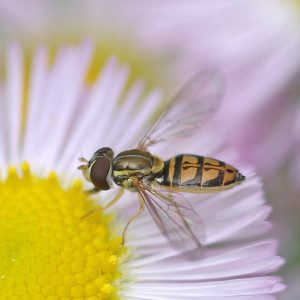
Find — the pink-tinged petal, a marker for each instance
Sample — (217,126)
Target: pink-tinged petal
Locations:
(233,287)
(216,264)
(136,296)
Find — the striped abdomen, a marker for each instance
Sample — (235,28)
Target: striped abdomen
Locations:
(193,173)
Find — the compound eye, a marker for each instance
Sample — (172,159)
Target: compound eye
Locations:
(100,172)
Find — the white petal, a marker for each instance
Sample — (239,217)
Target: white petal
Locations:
(39,79)
(14,105)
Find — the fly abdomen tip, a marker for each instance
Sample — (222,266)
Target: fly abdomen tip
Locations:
(240,177)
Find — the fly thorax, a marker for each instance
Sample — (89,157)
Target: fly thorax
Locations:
(131,163)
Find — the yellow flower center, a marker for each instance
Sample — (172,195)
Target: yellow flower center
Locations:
(46,250)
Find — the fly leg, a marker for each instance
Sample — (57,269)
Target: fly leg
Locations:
(142,207)
(92,191)
(90,212)
(115,199)
(112,202)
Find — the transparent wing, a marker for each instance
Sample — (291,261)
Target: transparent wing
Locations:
(174,216)
(188,110)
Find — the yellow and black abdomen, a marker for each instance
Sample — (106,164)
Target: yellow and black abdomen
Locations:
(196,174)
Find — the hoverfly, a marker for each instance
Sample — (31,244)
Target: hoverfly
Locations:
(160,183)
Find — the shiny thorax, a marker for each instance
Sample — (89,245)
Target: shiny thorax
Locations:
(135,163)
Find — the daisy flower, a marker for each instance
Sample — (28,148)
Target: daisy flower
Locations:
(48,251)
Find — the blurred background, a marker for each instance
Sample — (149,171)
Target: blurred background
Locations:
(254,44)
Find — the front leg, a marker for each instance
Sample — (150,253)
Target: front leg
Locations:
(92,191)
(112,202)
(115,199)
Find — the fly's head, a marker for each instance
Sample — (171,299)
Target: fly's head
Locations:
(98,169)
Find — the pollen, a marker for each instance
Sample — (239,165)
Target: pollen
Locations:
(47,250)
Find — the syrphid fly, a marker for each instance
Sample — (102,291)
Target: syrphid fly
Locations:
(160,183)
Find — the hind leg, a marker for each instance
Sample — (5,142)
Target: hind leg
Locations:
(142,207)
